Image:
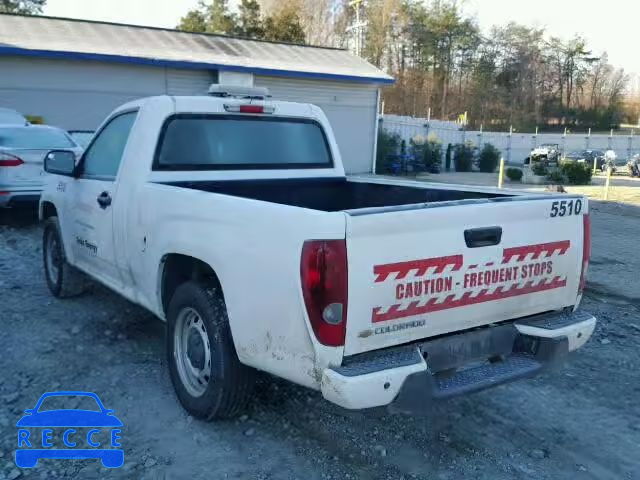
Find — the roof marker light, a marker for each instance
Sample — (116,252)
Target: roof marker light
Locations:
(249,108)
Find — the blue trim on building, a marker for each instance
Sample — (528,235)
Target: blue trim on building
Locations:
(189,65)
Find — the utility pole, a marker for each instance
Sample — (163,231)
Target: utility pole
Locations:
(358,27)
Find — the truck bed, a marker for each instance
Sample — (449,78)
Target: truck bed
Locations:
(416,273)
(333,194)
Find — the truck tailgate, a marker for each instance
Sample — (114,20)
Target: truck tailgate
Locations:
(433,269)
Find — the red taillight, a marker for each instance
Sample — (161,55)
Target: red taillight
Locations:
(8,160)
(249,108)
(586,250)
(323,271)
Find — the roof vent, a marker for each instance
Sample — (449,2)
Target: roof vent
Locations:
(236,91)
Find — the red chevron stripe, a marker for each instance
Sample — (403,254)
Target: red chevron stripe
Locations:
(431,306)
(402,269)
(547,248)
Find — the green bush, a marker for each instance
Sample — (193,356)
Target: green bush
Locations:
(462,157)
(489,158)
(556,176)
(388,144)
(514,174)
(538,168)
(576,173)
(433,157)
(428,153)
(564,161)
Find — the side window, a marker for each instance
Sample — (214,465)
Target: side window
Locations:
(104,155)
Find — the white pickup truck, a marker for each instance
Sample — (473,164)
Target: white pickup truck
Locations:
(230,217)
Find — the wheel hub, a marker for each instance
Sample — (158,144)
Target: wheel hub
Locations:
(192,351)
(195,349)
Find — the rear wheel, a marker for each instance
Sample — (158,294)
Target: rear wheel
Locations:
(209,380)
(62,279)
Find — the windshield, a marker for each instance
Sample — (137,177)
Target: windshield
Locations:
(33,137)
(192,142)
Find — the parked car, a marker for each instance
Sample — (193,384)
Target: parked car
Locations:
(82,137)
(22,151)
(231,218)
(633,166)
(548,154)
(588,156)
(12,117)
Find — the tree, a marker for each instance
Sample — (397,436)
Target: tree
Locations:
(597,81)
(450,33)
(193,21)
(317,18)
(517,75)
(249,20)
(427,45)
(284,26)
(381,15)
(219,20)
(514,76)
(515,53)
(27,7)
(209,18)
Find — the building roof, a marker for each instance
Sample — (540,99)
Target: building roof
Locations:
(80,39)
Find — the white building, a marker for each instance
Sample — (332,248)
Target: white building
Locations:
(72,73)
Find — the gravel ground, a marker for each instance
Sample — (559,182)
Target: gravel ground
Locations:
(582,421)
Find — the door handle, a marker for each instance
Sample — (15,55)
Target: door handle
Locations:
(483,237)
(104,200)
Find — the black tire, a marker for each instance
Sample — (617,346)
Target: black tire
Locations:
(67,281)
(230,383)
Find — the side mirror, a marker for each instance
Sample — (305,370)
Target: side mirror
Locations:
(60,162)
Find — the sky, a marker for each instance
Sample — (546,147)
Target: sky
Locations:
(610,26)
(155,13)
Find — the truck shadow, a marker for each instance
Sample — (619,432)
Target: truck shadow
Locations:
(19,217)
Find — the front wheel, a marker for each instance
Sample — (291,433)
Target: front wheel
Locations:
(62,279)
(209,380)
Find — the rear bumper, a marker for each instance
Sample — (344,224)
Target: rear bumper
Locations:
(409,378)
(18,198)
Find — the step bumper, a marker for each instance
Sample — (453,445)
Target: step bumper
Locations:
(409,378)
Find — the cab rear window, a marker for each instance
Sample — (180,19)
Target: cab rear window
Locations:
(241,142)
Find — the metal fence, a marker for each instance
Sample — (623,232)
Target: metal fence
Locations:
(514,146)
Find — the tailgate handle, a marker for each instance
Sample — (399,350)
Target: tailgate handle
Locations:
(483,237)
